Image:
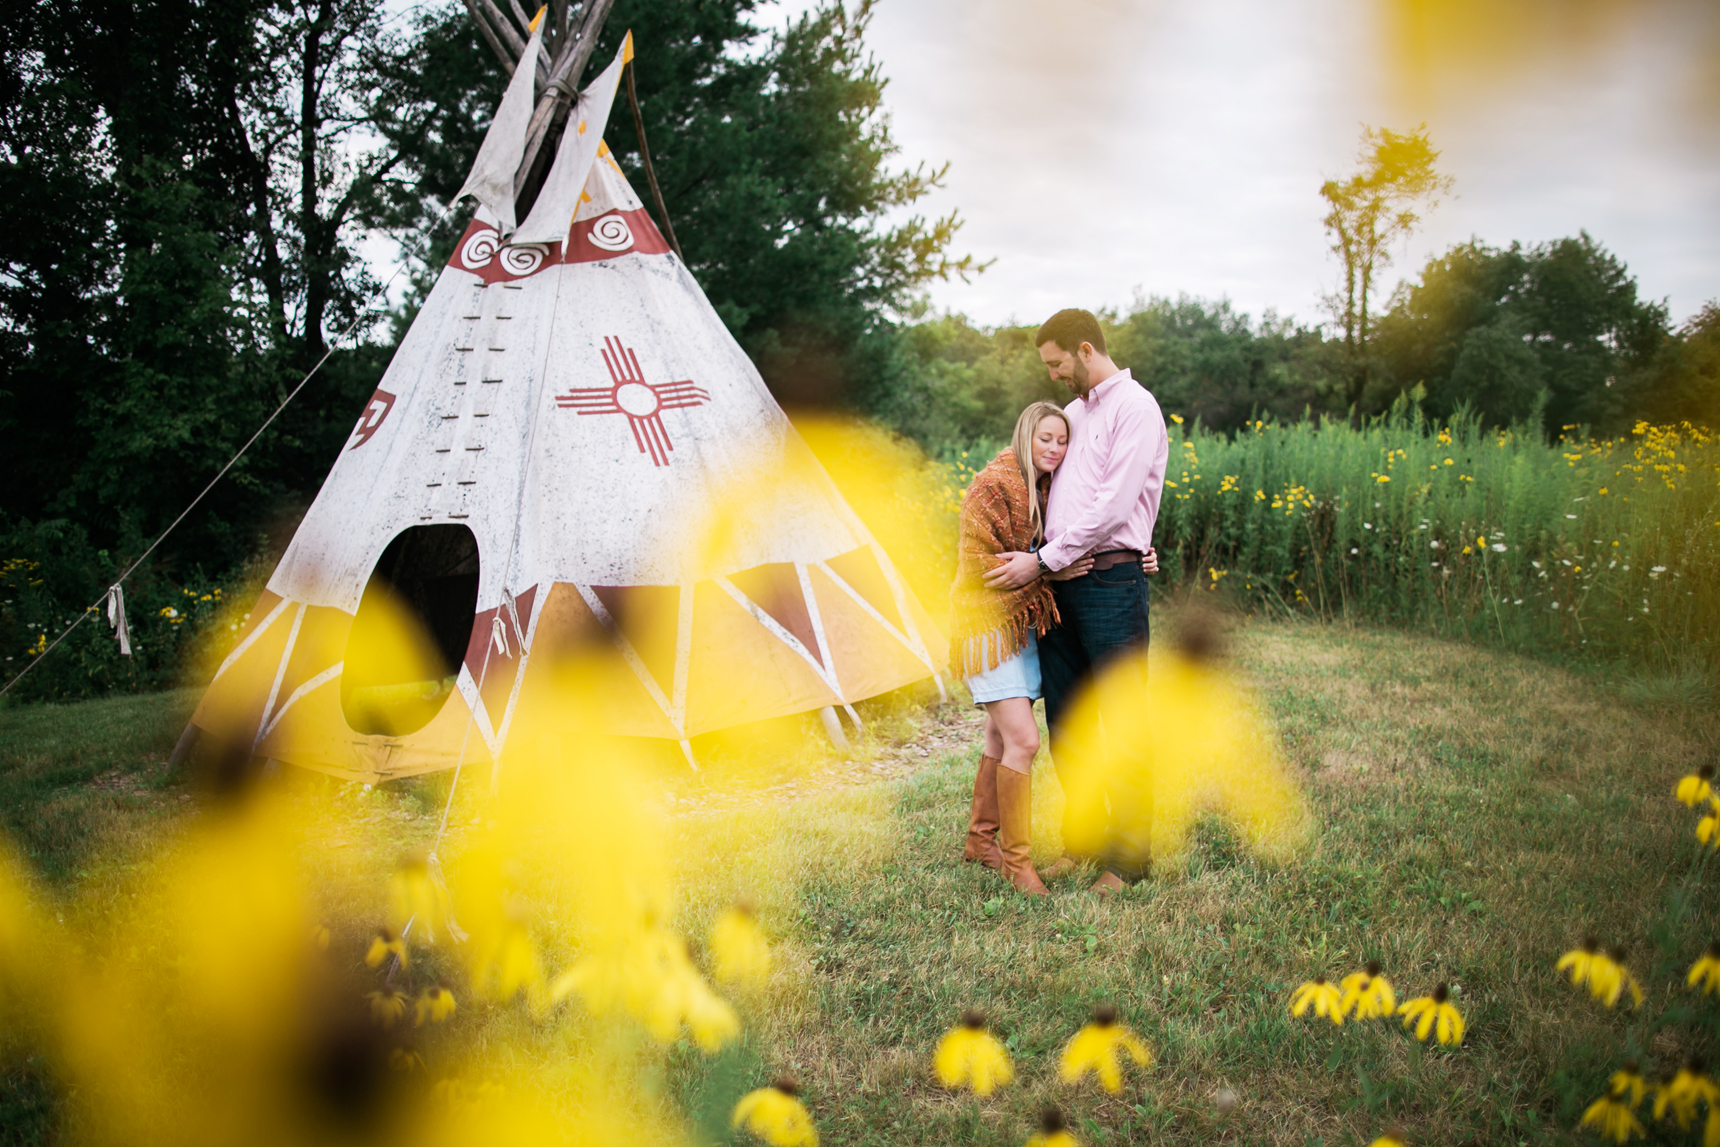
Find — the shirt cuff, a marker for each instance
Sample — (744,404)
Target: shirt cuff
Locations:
(1054,557)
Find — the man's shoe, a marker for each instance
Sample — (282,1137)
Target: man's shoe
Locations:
(1063,866)
(981,844)
(1015,820)
(1107,886)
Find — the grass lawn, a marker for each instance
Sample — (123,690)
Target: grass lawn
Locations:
(1477,815)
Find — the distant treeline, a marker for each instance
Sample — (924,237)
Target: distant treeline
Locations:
(1550,336)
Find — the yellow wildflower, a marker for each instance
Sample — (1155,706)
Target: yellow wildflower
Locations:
(384,943)
(1705,972)
(1389,1139)
(738,949)
(683,998)
(1434,1013)
(970,1056)
(1053,1132)
(1695,788)
(1368,993)
(387,1006)
(1687,1087)
(1580,961)
(1612,1120)
(1609,979)
(1325,999)
(776,1116)
(434,1004)
(1708,828)
(1627,1081)
(1095,1049)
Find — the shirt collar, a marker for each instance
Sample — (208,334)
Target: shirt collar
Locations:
(1092,397)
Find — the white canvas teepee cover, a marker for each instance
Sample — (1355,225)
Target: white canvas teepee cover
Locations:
(631,486)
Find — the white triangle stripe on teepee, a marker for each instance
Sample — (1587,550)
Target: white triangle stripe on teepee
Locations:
(826,675)
(552,215)
(491,181)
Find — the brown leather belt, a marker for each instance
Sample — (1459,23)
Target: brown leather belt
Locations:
(1111,558)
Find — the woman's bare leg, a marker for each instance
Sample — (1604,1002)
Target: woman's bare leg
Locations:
(1011,733)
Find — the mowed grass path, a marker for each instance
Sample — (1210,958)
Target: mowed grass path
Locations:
(1477,815)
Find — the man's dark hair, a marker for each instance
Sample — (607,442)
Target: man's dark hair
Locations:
(1069,329)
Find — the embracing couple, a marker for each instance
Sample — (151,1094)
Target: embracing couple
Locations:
(1056,546)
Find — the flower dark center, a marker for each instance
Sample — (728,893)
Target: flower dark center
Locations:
(786,1085)
(1441,994)
(1591,944)
(1373,968)
(973,1018)
(1104,1015)
(1051,1121)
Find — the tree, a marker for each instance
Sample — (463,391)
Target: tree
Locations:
(1501,330)
(1368,212)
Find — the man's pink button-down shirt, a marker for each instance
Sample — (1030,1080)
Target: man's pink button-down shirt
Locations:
(1105,495)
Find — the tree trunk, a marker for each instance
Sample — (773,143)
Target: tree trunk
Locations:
(310,226)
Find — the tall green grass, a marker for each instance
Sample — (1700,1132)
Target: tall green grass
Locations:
(1595,547)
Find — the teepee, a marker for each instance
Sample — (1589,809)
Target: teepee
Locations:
(569,453)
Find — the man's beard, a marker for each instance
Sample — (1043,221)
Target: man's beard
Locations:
(1082,378)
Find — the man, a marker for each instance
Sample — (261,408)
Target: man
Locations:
(1103,504)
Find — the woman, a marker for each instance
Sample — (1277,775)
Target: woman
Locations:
(995,637)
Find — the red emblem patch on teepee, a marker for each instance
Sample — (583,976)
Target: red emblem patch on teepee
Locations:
(371,420)
(642,402)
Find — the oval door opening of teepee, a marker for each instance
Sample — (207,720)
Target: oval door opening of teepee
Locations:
(411,630)
(568,405)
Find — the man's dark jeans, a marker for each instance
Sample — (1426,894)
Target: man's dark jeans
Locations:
(1104,616)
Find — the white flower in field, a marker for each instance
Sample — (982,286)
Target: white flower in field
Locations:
(1433,545)
(1367,525)
(1498,547)
(1572,517)
(1536,564)
(1656,571)
(1354,550)
(1555,605)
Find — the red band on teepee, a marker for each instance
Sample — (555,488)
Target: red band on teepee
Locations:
(617,233)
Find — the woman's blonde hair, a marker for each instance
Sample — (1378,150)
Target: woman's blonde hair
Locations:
(1022,444)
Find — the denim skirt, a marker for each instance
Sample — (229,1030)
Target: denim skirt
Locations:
(1016,677)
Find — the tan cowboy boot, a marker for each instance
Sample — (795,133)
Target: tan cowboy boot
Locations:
(1015,826)
(982,821)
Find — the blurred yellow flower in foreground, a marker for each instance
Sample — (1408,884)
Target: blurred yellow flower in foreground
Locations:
(1612,1120)
(1175,732)
(970,1056)
(1580,961)
(1368,993)
(1695,788)
(1096,1048)
(1687,1087)
(739,952)
(434,1004)
(387,1006)
(1626,1082)
(1053,1132)
(1705,972)
(1708,828)
(1609,979)
(776,1116)
(1435,1014)
(382,945)
(1322,997)
(1389,1139)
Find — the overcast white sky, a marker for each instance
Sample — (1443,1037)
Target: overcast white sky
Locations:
(1101,148)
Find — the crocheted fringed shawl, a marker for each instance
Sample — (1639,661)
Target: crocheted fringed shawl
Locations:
(994,521)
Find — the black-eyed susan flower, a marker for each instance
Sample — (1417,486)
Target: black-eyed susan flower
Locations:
(776,1116)
(434,1004)
(1680,1094)
(1627,1084)
(1096,1048)
(1053,1131)
(1695,788)
(1580,961)
(1324,998)
(387,1006)
(1705,972)
(1609,979)
(1613,1119)
(1392,1138)
(1435,1013)
(1708,828)
(739,953)
(384,944)
(970,1056)
(1367,993)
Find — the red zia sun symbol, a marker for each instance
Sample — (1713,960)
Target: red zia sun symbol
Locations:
(642,402)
